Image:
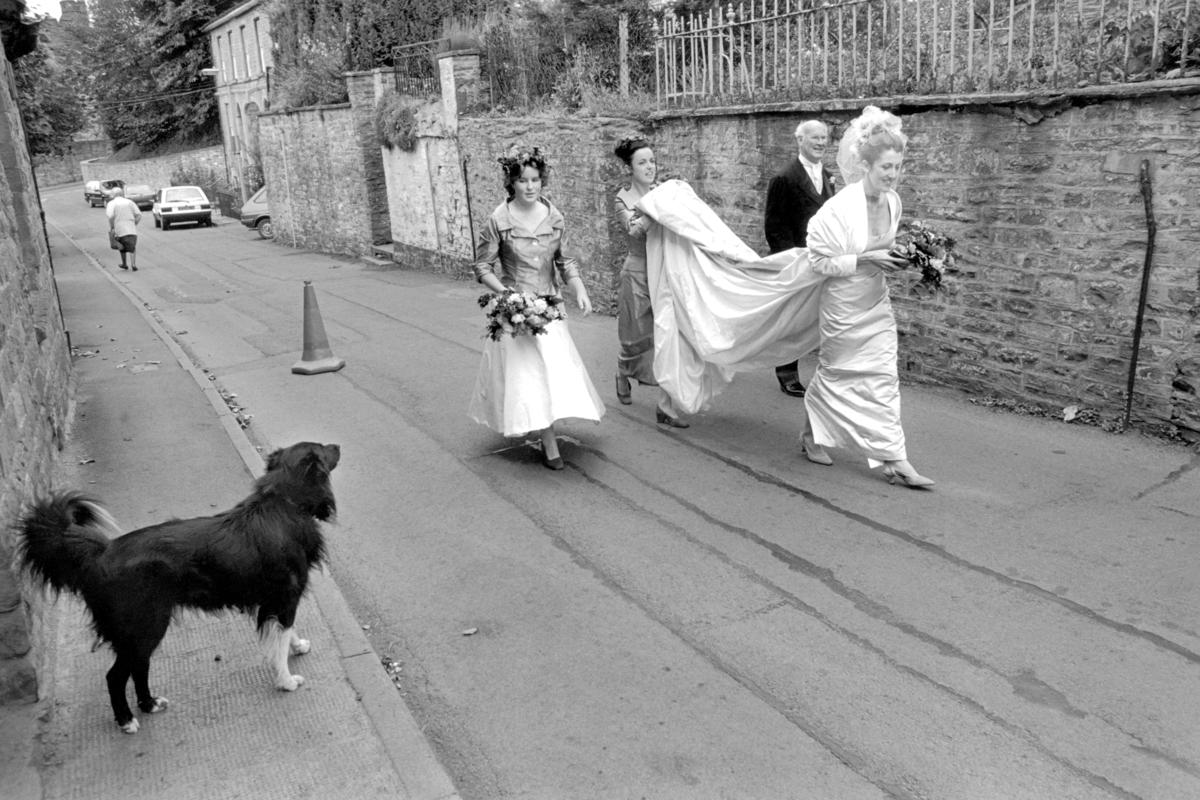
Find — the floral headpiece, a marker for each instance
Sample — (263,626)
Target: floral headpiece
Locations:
(520,158)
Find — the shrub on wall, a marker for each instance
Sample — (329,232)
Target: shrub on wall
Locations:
(396,123)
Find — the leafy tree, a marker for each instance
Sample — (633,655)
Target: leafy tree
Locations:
(47,81)
(146,56)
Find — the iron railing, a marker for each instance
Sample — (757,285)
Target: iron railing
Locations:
(415,67)
(811,49)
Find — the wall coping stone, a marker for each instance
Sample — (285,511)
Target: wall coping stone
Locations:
(283,112)
(1064,97)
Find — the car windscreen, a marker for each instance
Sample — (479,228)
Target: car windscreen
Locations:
(138,189)
(186,193)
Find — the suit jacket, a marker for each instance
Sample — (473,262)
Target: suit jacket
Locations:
(791,201)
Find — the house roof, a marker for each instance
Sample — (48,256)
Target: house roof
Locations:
(228,15)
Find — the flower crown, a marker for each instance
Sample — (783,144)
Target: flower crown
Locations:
(521,157)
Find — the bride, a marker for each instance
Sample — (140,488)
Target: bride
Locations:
(719,309)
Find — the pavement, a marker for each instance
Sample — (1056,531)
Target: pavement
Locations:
(154,438)
(1022,504)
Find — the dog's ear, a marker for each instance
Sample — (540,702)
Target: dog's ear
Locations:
(331,454)
(274,459)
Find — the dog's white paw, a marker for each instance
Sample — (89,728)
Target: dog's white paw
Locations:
(300,646)
(131,726)
(291,684)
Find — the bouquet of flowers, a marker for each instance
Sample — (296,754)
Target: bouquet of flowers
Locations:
(925,249)
(517,313)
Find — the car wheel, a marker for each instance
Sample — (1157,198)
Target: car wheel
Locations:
(265,228)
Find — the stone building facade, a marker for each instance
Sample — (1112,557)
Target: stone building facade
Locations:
(240,41)
(35,383)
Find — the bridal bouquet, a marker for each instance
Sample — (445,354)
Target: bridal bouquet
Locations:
(925,249)
(518,313)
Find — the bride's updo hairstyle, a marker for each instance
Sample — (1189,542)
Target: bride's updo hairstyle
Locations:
(873,133)
(513,165)
(627,147)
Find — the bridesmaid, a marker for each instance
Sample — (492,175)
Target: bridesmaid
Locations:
(527,383)
(635,318)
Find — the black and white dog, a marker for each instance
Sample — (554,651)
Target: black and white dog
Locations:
(254,558)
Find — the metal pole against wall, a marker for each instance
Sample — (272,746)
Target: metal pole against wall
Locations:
(1143,295)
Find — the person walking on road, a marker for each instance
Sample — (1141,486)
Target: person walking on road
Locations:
(123,218)
(854,398)
(793,196)
(526,383)
(635,318)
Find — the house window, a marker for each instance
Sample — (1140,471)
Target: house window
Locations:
(258,49)
(220,59)
(232,57)
(245,54)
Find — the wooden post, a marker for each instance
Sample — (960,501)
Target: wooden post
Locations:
(623,52)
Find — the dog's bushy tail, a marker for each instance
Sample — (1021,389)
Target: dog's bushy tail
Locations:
(62,537)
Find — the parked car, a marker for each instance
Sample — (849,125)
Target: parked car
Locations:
(256,214)
(95,193)
(141,194)
(175,204)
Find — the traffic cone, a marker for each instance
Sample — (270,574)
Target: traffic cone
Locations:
(317,355)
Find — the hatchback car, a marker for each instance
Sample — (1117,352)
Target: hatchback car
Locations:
(175,204)
(256,214)
(141,194)
(95,193)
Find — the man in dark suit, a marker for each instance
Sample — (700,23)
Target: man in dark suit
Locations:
(793,196)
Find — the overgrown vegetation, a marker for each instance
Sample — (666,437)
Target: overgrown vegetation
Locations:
(145,57)
(396,123)
(318,40)
(48,82)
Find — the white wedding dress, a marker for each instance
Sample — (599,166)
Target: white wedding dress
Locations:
(720,309)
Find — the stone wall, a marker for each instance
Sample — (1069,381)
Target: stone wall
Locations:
(1042,195)
(35,369)
(584,178)
(1046,207)
(158,171)
(313,162)
(364,88)
(65,168)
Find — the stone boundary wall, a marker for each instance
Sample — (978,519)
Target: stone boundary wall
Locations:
(1040,192)
(156,172)
(57,170)
(584,179)
(313,161)
(1045,204)
(364,88)
(35,390)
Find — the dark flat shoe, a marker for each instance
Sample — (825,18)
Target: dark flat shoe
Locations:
(624,390)
(553,463)
(792,388)
(664,418)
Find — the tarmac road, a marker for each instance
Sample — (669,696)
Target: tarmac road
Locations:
(703,613)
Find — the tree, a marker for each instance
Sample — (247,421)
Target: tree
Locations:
(146,56)
(48,81)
